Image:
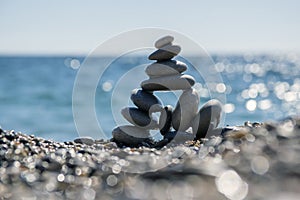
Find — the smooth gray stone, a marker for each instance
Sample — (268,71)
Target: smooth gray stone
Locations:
(145,101)
(165,68)
(130,135)
(164,41)
(178,137)
(165,53)
(84,140)
(165,120)
(185,110)
(175,82)
(139,118)
(207,119)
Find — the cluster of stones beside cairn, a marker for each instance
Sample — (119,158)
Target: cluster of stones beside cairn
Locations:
(166,75)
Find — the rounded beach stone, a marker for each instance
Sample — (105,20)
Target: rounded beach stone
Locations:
(164,41)
(207,119)
(175,82)
(185,110)
(177,137)
(84,140)
(165,68)
(165,119)
(139,118)
(130,135)
(165,53)
(145,101)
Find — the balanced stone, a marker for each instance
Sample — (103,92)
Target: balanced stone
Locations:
(165,53)
(164,41)
(165,68)
(139,118)
(145,101)
(207,119)
(175,82)
(177,137)
(130,135)
(185,110)
(165,120)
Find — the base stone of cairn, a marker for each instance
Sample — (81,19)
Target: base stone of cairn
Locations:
(166,75)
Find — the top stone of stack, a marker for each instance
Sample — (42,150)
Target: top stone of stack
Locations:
(164,41)
(166,50)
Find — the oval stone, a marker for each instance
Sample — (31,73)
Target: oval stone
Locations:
(145,101)
(139,118)
(175,82)
(165,53)
(85,140)
(178,137)
(164,41)
(185,110)
(207,119)
(165,120)
(165,68)
(130,135)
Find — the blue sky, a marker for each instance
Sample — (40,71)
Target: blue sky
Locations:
(78,26)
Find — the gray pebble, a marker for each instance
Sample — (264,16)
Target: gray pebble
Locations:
(145,101)
(84,140)
(175,82)
(130,135)
(208,118)
(165,53)
(185,110)
(165,68)
(139,118)
(164,41)
(165,120)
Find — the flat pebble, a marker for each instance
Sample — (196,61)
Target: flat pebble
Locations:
(175,82)
(164,41)
(165,68)
(84,140)
(130,135)
(165,53)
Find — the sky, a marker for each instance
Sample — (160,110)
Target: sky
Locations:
(77,27)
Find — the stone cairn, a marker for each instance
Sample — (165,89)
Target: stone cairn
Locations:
(166,75)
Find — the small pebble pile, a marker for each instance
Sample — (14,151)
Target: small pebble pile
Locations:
(166,75)
(254,161)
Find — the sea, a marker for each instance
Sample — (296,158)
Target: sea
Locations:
(58,98)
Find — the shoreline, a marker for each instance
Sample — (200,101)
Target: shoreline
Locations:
(254,161)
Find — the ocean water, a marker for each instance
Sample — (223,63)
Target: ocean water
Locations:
(36,92)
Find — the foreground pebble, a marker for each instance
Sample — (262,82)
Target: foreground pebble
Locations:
(257,158)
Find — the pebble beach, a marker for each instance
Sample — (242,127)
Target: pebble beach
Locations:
(252,161)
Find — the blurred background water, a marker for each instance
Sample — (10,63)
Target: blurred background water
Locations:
(36,92)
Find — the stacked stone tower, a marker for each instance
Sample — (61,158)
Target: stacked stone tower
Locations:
(166,75)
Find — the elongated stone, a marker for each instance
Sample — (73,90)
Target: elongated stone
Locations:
(178,137)
(207,119)
(185,110)
(146,101)
(139,118)
(164,41)
(165,68)
(175,82)
(84,140)
(130,135)
(165,53)
(165,120)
